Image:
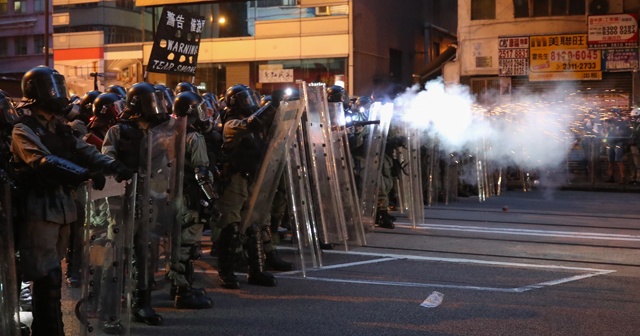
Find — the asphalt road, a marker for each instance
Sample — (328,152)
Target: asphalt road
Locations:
(535,263)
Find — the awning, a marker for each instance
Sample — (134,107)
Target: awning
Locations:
(434,67)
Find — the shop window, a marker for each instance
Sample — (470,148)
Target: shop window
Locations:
(483,9)
(541,8)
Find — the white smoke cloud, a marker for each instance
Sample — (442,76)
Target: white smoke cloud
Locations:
(532,131)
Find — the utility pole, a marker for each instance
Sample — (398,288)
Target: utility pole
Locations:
(47,13)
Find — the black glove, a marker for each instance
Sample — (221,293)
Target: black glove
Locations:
(121,171)
(98,181)
(276,97)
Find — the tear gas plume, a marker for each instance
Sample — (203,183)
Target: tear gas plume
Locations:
(530,131)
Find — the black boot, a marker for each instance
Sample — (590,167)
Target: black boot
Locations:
(47,309)
(188,298)
(256,257)
(142,311)
(188,275)
(273,260)
(227,242)
(383,220)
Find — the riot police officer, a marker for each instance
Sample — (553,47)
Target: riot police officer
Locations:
(107,109)
(199,196)
(244,129)
(145,107)
(52,163)
(117,89)
(185,86)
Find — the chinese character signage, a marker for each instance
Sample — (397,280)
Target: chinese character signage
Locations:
(620,59)
(513,56)
(613,31)
(563,57)
(177,42)
(275,76)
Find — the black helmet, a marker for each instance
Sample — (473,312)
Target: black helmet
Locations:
(337,94)
(212,103)
(117,89)
(363,104)
(8,113)
(146,102)
(169,96)
(185,86)
(47,87)
(241,99)
(86,105)
(107,108)
(191,105)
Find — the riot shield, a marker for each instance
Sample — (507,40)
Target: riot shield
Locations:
(108,246)
(374,150)
(162,158)
(9,307)
(323,163)
(301,204)
(279,138)
(410,180)
(345,177)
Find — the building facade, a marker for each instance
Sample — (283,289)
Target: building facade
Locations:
(22,41)
(510,46)
(366,44)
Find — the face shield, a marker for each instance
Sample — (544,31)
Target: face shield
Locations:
(9,114)
(110,112)
(245,100)
(51,87)
(153,106)
(201,116)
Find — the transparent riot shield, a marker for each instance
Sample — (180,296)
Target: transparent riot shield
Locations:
(9,307)
(108,246)
(410,180)
(280,137)
(323,167)
(374,150)
(301,204)
(162,157)
(345,177)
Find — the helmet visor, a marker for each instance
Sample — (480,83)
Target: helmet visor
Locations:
(51,87)
(245,100)
(154,104)
(110,112)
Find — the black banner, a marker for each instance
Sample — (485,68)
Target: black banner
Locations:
(177,42)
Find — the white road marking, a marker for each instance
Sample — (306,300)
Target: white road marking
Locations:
(524,232)
(384,257)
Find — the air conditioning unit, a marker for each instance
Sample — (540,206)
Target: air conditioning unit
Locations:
(598,7)
(323,11)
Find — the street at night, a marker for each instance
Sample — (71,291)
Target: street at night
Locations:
(534,263)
